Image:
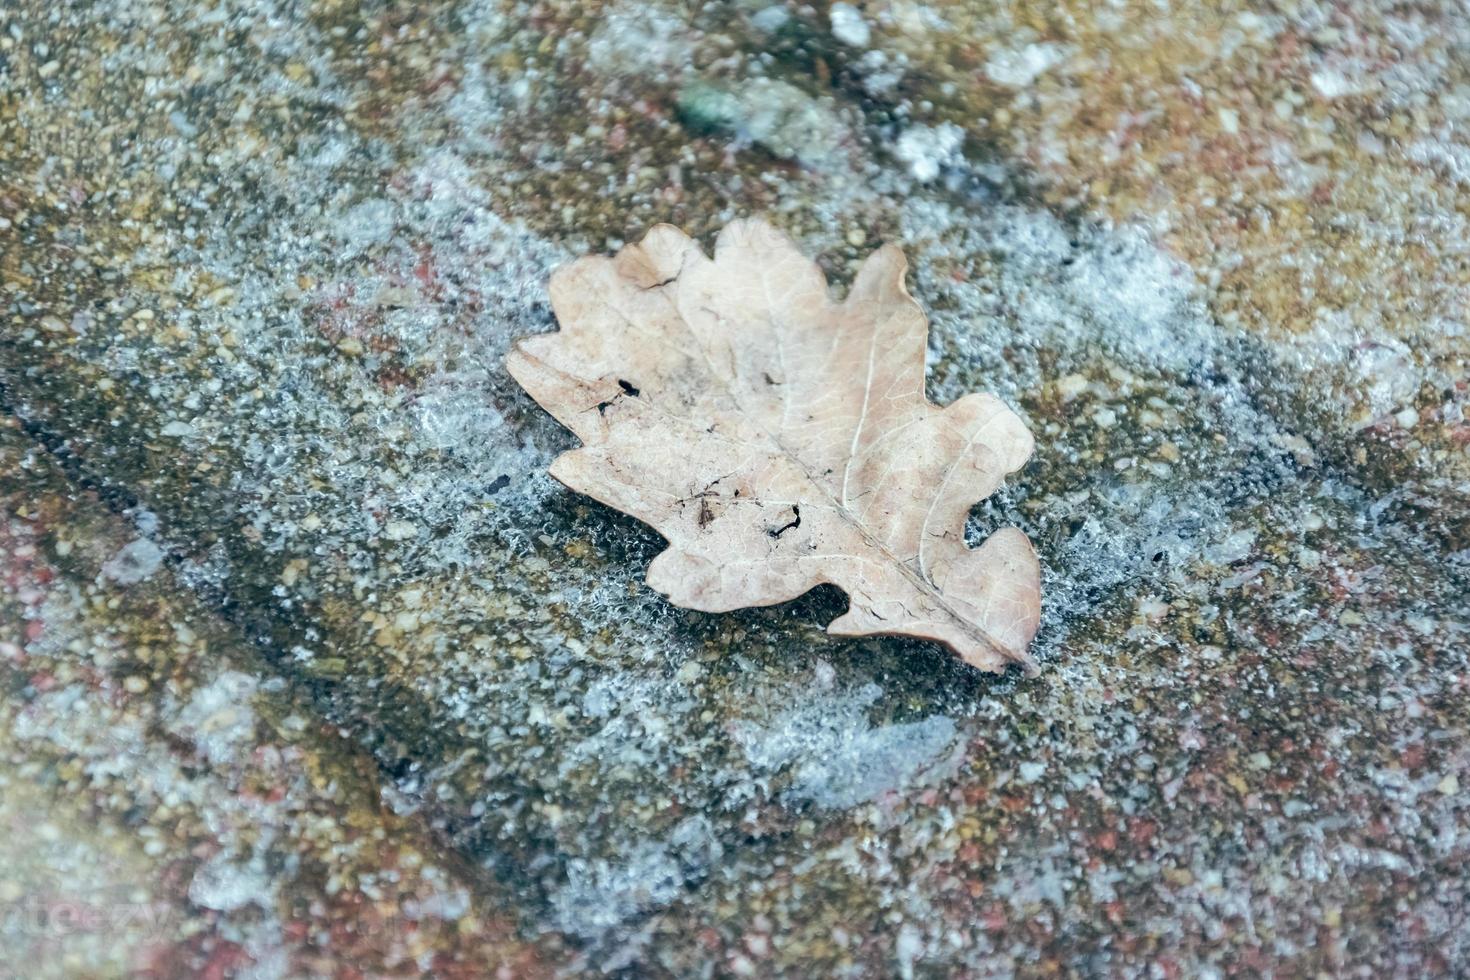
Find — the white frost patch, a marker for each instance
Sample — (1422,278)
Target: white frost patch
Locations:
(1084,295)
(1386,372)
(218,718)
(839,759)
(925,149)
(771,19)
(136,561)
(1018,68)
(367,224)
(1235,547)
(449,905)
(601,895)
(909,947)
(1066,288)
(1452,159)
(225,886)
(1332,84)
(849,27)
(634,39)
(453,405)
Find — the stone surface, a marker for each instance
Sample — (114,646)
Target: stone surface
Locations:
(174,806)
(295,625)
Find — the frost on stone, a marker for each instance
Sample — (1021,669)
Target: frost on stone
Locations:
(226,883)
(367,224)
(1019,67)
(600,896)
(848,25)
(774,114)
(925,149)
(135,562)
(219,717)
(634,39)
(1115,327)
(770,19)
(780,440)
(837,758)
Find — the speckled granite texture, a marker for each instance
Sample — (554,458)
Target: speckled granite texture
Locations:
(310,670)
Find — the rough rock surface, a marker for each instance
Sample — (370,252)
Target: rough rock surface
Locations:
(307,659)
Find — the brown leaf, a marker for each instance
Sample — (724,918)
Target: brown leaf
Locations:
(780,440)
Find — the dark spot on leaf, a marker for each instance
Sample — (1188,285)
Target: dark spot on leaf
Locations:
(794,522)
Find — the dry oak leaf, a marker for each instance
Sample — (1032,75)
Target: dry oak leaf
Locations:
(780,440)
